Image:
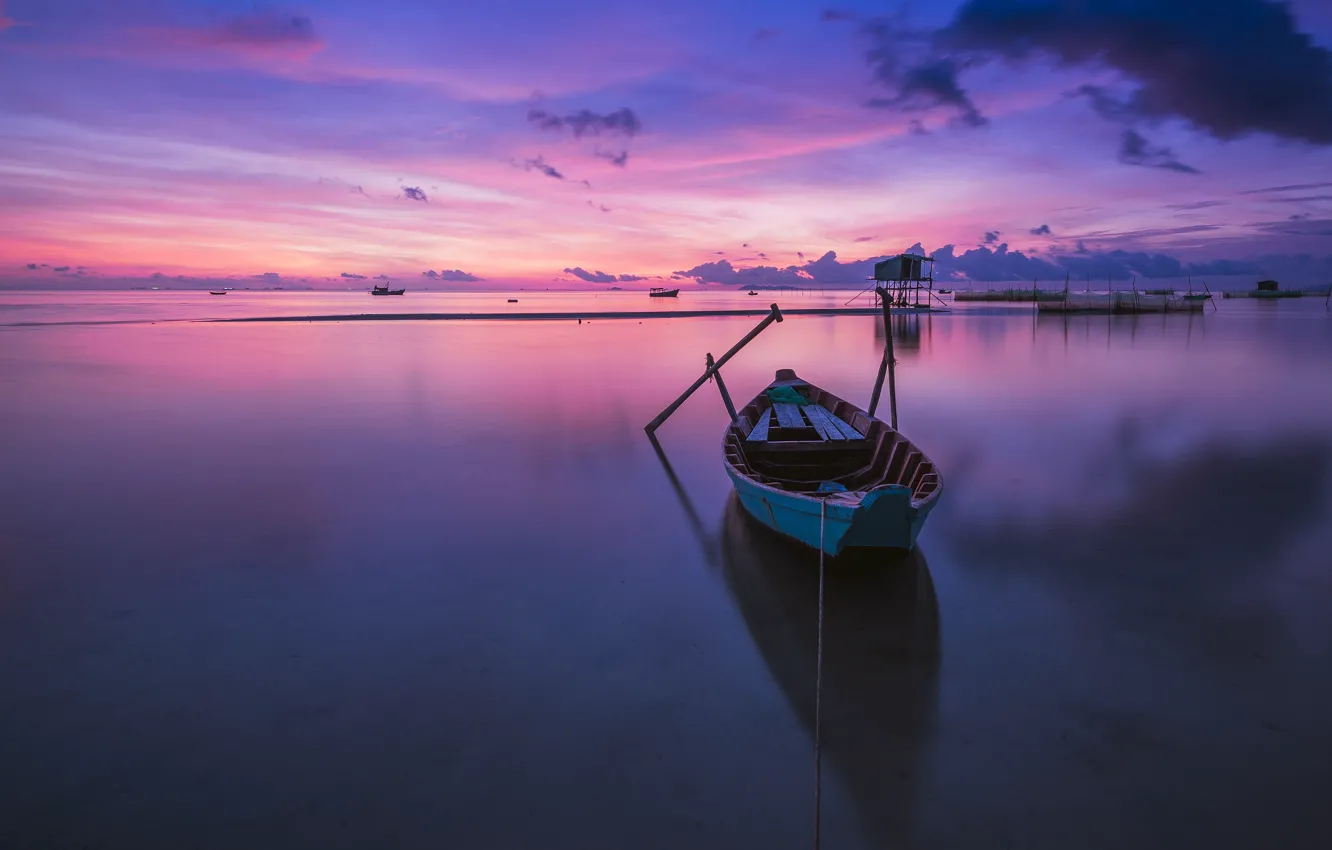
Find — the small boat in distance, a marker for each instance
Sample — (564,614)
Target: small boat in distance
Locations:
(513,300)
(217,292)
(662,292)
(752,292)
(945,292)
(821,471)
(382,289)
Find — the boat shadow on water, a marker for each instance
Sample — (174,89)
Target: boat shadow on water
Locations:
(880,657)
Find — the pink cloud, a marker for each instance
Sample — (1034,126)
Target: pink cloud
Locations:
(260,37)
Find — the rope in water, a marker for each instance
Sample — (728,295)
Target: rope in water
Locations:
(818,688)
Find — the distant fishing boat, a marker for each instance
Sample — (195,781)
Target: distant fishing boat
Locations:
(752,292)
(662,292)
(382,289)
(216,292)
(821,471)
(513,300)
(945,292)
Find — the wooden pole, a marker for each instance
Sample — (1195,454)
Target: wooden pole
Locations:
(887,367)
(774,316)
(726,397)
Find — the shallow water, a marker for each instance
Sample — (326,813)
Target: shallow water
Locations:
(426,584)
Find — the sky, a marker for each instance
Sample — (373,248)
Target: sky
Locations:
(700,143)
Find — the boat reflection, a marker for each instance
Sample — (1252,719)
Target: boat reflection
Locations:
(880,658)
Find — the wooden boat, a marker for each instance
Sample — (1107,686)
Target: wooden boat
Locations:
(383,289)
(215,292)
(662,292)
(797,451)
(752,292)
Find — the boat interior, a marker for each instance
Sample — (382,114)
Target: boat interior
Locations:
(802,447)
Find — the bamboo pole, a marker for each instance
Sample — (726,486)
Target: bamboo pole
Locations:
(774,316)
(887,366)
(726,397)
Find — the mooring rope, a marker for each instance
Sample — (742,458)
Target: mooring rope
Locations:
(818,688)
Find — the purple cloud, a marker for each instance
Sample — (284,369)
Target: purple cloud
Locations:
(585,122)
(453,275)
(414,193)
(540,164)
(602,277)
(1136,150)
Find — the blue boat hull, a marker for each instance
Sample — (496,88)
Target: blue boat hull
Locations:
(882,518)
(812,481)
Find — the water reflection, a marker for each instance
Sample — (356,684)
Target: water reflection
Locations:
(1188,548)
(880,652)
(910,331)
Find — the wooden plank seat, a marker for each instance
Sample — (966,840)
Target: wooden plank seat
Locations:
(788,416)
(793,419)
(760,430)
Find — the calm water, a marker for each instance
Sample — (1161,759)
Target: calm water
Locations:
(428,585)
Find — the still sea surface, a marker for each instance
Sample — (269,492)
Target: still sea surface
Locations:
(427,584)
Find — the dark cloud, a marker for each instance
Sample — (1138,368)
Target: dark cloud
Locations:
(929,84)
(381,277)
(619,160)
(414,193)
(591,277)
(540,164)
(1302,199)
(1299,227)
(1043,230)
(825,270)
(1229,67)
(60,269)
(1106,104)
(1295,187)
(865,238)
(838,15)
(270,277)
(32,267)
(597,206)
(999,264)
(351,276)
(456,275)
(1197,205)
(991,237)
(602,277)
(584,122)
(1136,150)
